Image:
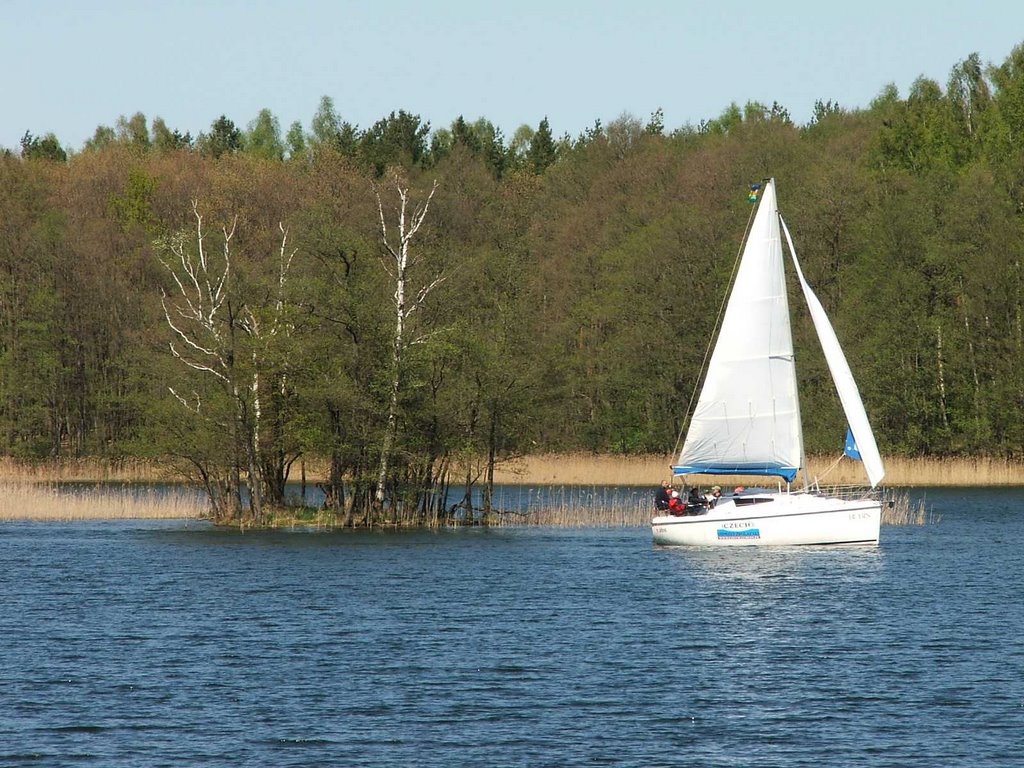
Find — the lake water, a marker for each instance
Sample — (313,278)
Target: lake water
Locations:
(171,644)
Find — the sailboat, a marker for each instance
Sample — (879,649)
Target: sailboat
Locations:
(747,418)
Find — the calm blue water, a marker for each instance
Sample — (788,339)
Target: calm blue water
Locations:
(171,644)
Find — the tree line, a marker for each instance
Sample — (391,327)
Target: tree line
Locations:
(415,306)
(401,138)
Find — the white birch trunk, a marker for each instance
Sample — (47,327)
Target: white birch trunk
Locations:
(397,262)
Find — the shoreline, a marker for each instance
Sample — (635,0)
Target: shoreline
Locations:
(90,489)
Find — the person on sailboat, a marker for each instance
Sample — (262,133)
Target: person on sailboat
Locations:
(716,494)
(695,498)
(661,496)
(676,506)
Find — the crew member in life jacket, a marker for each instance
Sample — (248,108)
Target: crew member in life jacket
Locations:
(676,506)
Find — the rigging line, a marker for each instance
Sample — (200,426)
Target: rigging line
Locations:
(829,470)
(714,331)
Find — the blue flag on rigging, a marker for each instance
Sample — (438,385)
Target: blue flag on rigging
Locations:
(851,446)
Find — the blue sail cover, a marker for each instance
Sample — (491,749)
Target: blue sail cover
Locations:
(787,473)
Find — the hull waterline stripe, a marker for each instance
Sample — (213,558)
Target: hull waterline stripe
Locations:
(851,543)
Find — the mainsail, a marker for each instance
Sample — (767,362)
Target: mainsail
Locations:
(747,419)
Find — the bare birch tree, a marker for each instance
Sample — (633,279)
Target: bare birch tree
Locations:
(266,330)
(204,320)
(398,260)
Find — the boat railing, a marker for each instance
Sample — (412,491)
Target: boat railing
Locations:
(845,492)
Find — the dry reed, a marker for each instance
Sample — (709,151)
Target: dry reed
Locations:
(576,507)
(592,470)
(897,509)
(83,471)
(574,469)
(29,501)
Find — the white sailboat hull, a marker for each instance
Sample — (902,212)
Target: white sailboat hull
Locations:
(775,519)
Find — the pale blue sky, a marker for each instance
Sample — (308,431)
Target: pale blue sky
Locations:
(67,66)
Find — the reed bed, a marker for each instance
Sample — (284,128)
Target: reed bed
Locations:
(575,507)
(83,471)
(897,509)
(572,469)
(599,507)
(46,501)
(562,507)
(595,470)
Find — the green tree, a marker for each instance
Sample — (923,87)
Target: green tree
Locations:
(399,139)
(166,140)
(134,132)
(730,119)
(464,135)
(295,140)
(969,94)
(542,152)
(30,239)
(45,148)
(102,138)
(656,125)
(922,134)
(480,139)
(325,128)
(263,139)
(229,341)
(1003,123)
(223,138)
(441,143)
(519,147)
(823,110)
(492,146)
(409,297)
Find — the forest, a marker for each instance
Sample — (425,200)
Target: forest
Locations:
(414,305)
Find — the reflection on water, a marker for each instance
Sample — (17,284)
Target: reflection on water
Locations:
(731,564)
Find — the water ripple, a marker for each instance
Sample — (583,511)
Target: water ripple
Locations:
(155,644)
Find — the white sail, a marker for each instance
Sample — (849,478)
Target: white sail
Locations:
(849,395)
(747,419)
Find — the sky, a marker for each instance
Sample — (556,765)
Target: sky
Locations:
(69,66)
